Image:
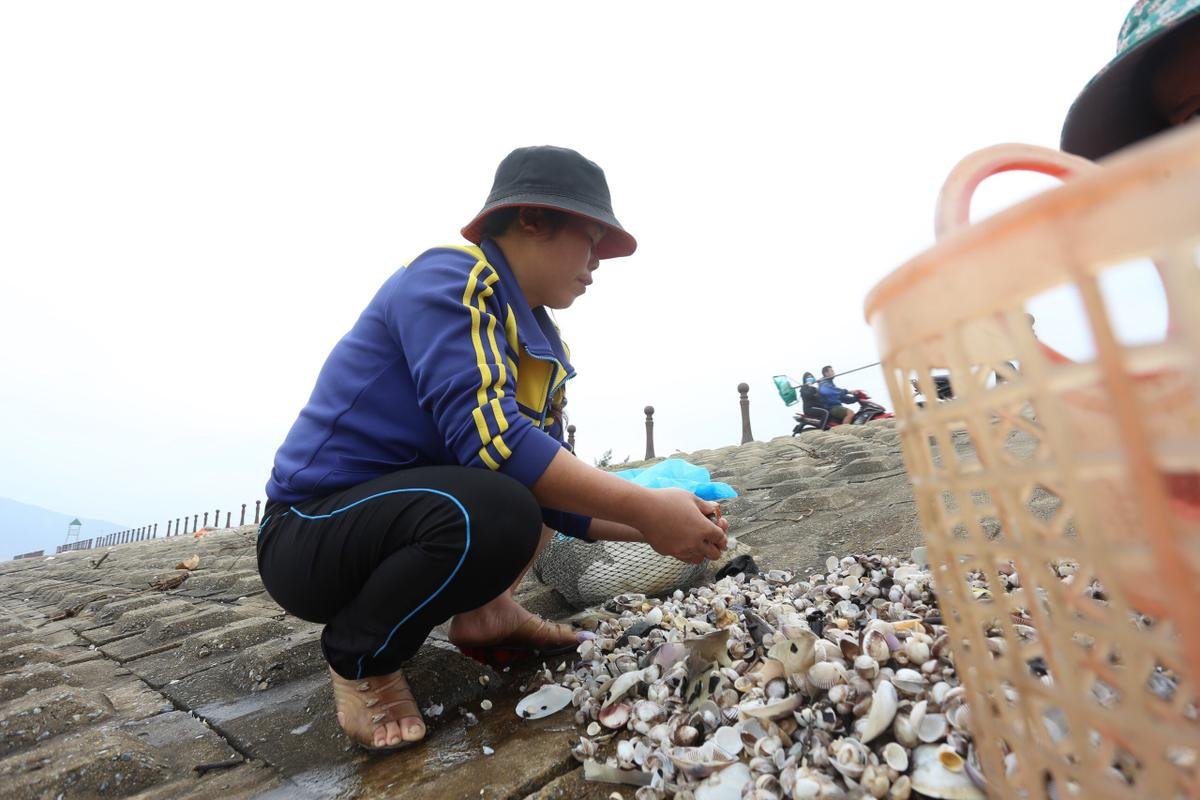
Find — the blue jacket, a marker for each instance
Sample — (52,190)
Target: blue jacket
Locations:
(833,395)
(446,366)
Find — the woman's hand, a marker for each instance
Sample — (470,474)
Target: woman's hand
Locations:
(672,521)
(681,527)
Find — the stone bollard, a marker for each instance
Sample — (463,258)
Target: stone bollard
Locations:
(744,390)
(177,531)
(206,519)
(243,520)
(195,522)
(256,504)
(571,437)
(217,518)
(649,432)
(228,514)
(155,534)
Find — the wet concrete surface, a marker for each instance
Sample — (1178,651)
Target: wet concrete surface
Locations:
(135,688)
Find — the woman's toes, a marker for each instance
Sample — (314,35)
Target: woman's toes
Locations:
(414,730)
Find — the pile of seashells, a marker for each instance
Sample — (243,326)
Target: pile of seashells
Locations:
(841,685)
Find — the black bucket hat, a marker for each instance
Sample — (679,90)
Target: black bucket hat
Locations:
(1114,109)
(555,177)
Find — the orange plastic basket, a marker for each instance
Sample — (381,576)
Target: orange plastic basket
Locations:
(1081,477)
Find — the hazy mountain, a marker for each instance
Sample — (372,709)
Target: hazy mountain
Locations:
(24,528)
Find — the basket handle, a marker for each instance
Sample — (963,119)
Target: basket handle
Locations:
(954,199)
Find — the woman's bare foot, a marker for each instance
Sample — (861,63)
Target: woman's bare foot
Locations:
(504,621)
(379,712)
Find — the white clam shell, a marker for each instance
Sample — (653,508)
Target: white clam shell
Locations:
(895,756)
(883,710)
(770,709)
(931,778)
(933,728)
(726,784)
(549,699)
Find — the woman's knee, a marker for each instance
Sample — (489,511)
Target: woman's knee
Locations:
(508,520)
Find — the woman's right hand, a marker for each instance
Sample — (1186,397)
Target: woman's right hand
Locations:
(679,526)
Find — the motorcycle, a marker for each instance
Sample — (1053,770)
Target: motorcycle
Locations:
(820,419)
(817,418)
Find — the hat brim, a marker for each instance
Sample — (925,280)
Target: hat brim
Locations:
(1113,110)
(615,244)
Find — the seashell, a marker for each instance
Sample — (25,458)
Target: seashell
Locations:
(625,754)
(770,709)
(909,681)
(776,688)
(761,765)
(849,757)
(797,654)
(727,740)
(826,674)
(901,788)
(875,781)
(866,666)
(767,746)
(895,756)
(959,718)
(917,651)
(874,644)
(931,778)
(614,717)
(623,684)
(654,616)
(950,759)
(932,728)
(685,735)
(549,699)
(826,650)
(649,711)
(903,731)
(883,710)
(697,762)
(917,713)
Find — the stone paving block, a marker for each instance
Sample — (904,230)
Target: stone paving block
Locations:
(32,678)
(113,760)
(115,610)
(865,466)
(163,634)
(207,649)
(450,764)
(296,656)
(35,717)
(245,782)
(23,655)
(804,503)
(294,727)
(572,786)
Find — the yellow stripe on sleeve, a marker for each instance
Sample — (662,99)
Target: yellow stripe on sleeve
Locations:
(481,423)
(501,447)
(498,413)
(487,459)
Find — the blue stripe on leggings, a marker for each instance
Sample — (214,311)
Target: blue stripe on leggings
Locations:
(445,583)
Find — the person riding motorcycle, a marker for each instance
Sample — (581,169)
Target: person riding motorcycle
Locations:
(833,396)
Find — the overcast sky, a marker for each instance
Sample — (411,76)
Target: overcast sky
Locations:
(197,201)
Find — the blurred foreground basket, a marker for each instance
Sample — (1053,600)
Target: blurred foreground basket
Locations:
(1089,470)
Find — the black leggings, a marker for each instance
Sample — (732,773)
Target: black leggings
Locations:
(381,564)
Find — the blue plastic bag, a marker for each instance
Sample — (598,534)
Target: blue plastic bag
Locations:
(675,472)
